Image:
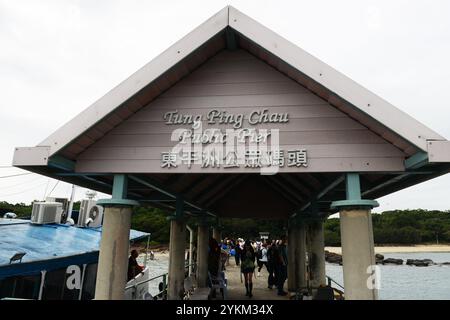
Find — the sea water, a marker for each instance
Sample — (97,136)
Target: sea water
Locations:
(397,282)
(157,267)
(403,282)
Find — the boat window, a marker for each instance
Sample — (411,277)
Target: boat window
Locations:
(21,287)
(90,277)
(56,285)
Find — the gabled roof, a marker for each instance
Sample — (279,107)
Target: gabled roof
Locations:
(423,148)
(230,27)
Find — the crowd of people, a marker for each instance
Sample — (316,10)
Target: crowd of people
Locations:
(249,255)
(253,255)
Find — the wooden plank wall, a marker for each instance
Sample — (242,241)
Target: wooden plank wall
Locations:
(238,82)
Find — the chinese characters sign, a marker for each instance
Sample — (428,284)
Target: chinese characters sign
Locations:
(236,147)
(252,159)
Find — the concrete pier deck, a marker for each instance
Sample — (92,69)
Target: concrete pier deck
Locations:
(236,288)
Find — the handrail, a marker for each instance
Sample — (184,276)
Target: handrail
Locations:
(164,276)
(330,280)
(147,280)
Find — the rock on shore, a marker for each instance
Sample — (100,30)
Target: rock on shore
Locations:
(392,261)
(419,262)
(379,258)
(333,257)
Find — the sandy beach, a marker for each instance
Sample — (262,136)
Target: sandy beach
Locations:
(402,249)
(164,254)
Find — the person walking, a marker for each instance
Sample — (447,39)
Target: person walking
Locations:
(237,251)
(213,261)
(271,281)
(262,258)
(213,256)
(224,256)
(228,249)
(248,257)
(280,258)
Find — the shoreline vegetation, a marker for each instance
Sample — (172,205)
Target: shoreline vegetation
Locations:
(402,249)
(333,255)
(164,248)
(413,230)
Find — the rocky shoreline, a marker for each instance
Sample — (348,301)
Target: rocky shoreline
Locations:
(336,258)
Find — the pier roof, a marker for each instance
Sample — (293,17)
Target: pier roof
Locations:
(414,152)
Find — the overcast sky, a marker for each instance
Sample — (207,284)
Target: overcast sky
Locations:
(58,57)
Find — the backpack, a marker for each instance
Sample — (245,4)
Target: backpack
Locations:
(259,254)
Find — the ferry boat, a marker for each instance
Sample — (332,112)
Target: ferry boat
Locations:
(55,261)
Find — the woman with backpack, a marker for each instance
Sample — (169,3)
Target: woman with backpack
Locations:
(248,257)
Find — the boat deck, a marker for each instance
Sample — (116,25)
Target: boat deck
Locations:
(49,241)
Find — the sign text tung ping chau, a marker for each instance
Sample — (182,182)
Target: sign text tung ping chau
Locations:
(240,144)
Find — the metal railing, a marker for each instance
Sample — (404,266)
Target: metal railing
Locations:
(331,280)
(164,282)
(339,290)
(164,277)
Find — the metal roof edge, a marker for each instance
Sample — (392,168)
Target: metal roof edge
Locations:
(136,82)
(31,156)
(364,100)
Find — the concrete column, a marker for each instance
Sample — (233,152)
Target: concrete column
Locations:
(217,234)
(113,258)
(177,250)
(317,253)
(292,250)
(358,256)
(300,256)
(202,255)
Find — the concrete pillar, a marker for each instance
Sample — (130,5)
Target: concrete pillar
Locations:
(300,256)
(358,256)
(113,258)
(316,253)
(217,234)
(202,255)
(177,250)
(292,250)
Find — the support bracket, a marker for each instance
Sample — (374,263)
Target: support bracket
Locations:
(119,193)
(353,192)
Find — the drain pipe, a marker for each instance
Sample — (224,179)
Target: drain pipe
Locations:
(191,245)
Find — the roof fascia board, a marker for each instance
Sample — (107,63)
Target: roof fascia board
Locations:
(439,151)
(366,101)
(31,156)
(137,81)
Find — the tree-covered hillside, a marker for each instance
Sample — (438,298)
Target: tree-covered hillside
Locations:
(401,227)
(390,227)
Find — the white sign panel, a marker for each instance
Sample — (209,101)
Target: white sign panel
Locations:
(243,145)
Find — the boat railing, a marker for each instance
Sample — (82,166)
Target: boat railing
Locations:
(331,281)
(339,290)
(164,276)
